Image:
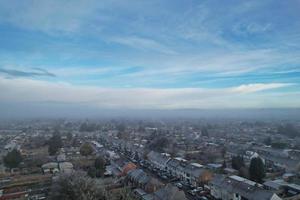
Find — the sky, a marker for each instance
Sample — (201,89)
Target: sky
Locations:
(158,54)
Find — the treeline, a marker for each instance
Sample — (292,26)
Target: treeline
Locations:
(88,127)
(288,130)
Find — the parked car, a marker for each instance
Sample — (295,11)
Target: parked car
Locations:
(203,198)
(179,185)
(192,192)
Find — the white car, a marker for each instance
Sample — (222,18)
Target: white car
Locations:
(179,185)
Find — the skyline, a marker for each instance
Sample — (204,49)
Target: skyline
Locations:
(150,55)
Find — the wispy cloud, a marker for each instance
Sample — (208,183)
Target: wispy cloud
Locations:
(143,44)
(251,28)
(35,72)
(250,88)
(144,98)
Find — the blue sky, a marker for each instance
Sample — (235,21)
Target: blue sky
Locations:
(151,54)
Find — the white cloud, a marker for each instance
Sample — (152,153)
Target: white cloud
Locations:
(251,28)
(26,90)
(143,43)
(221,63)
(250,88)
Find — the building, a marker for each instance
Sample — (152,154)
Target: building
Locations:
(238,188)
(285,190)
(195,174)
(121,167)
(51,167)
(140,179)
(176,167)
(169,192)
(158,160)
(65,167)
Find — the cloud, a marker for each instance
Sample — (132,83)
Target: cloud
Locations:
(143,44)
(19,73)
(219,64)
(250,88)
(135,98)
(251,28)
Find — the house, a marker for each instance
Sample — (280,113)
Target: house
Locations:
(238,188)
(169,192)
(139,193)
(61,157)
(120,167)
(278,158)
(111,155)
(283,189)
(140,179)
(230,171)
(249,155)
(195,174)
(153,185)
(51,167)
(176,167)
(137,178)
(97,145)
(128,167)
(158,160)
(215,166)
(65,167)
(11,146)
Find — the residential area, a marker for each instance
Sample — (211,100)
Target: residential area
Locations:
(150,160)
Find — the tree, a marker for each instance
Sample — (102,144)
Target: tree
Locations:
(204,131)
(288,130)
(81,187)
(100,166)
(244,172)
(121,194)
(223,151)
(77,187)
(122,133)
(224,165)
(268,141)
(54,144)
(237,162)
(69,136)
(87,127)
(159,144)
(136,156)
(279,145)
(121,127)
(86,149)
(257,169)
(92,172)
(12,159)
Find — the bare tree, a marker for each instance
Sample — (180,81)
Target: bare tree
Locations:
(77,187)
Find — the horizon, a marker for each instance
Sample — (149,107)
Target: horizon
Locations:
(248,114)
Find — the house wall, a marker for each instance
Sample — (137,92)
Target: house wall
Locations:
(220,193)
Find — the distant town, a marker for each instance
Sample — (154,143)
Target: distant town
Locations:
(174,159)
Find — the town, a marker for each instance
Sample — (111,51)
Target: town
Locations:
(149,100)
(150,159)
